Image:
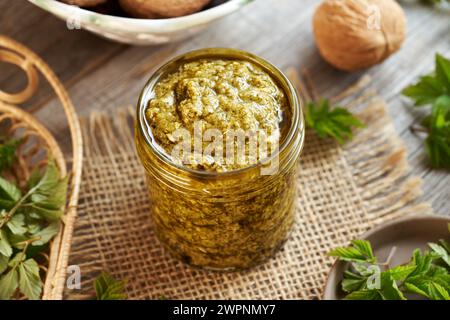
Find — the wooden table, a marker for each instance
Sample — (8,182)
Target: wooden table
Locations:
(104,75)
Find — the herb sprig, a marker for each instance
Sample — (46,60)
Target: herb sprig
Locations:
(434,90)
(335,122)
(108,288)
(427,274)
(29,219)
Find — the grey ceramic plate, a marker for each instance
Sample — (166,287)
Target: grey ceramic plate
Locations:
(406,234)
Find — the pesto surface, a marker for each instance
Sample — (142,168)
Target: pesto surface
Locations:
(216,94)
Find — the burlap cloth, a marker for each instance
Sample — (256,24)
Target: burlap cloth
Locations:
(343,191)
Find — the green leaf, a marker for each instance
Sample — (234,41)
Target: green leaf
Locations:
(5,246)
(360,251)
(389,289)
(8,284)
(426,91)
(18,258)
(411,288)
(401,272)
(17,224)
(351,285)
(16,240)
(437,292)
(48,214)
(49,193)
(347,254)
(431,87)
(108,288)
(443,71)
(3,263)
(437,143)
(422,262)
(34,179)
(364,295)
(30,283)
(445,244)
(441,252)
(365,248)
(336,123)
(9,193)
(7,153)
(47,233)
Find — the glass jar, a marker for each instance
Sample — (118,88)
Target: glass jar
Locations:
(222,220)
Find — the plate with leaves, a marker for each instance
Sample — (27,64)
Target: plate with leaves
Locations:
(405,259)
(38,190)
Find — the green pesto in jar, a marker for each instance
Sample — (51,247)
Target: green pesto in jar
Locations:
(212,214)
(217,94)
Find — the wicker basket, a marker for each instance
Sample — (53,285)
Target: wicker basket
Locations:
(36,141)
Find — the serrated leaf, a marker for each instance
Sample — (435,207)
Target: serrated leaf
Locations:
(426,91)
(348,254)
(389,289)
(46,234)
(5,246)
(30,283)
(48,214)
(441,252)
(107,288)
(336,123)
(8,284)
(437,292)
(9,192)
(365,248)
(443,71)
(52,199)
(401,272)
(350,285)
(360,251)
(413,289)
(3,263)
(17,224)
(422,262)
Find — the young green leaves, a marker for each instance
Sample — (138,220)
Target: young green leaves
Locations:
(108,288)
(336,122)
(29,219)
(7,152)
(427,274)
(360,251)
(434,90)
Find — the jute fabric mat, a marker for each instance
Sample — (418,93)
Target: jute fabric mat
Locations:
(343,191)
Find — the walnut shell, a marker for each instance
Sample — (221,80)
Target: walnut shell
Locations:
(84,3)
(165,8)
(357,34)
(133,8)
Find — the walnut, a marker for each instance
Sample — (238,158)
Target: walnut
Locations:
(164,8)
(357,34)
(84,3)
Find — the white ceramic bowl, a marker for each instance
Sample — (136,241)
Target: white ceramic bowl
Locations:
(138,31)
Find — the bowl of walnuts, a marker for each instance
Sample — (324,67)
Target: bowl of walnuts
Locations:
(141,22)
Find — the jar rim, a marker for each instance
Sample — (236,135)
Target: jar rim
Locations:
(295,102)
